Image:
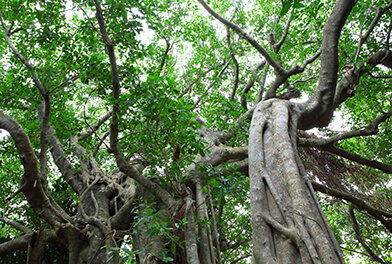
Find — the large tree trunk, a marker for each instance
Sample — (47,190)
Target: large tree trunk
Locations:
(287,221)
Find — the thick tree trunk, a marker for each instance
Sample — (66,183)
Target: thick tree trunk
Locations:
(287,221)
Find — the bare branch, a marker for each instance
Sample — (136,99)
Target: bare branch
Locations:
(250,84)
(16,225)
(321,101)
(262,85)
(70,174)
(20,243)
(32,180)
(359,237)
(388,36)
(371,129)
(235,83)
(21,58)
(283,76)
(359,159)
(306,80)
(380,12)
(360,204)
(122,164)
(226,135)
(278,45)
(168,46)
(244,35)
(211,85)
(46,102)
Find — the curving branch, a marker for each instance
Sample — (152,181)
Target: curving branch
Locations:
(168,46)
(283,76)
(359,237)
(363,38)
(243,35)
(45,104)
(33,189)
(197,102)
(388,36)
(69,173)
(121,162)
(21,243)
(357,158)
(235,83)
(321,102)
(278,45)
(247,88)
(16,225)
(371,129)
(360,204)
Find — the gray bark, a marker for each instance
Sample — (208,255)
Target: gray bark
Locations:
(288,224)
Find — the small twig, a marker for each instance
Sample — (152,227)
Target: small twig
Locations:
(388,36)
(9,198)
(306,80)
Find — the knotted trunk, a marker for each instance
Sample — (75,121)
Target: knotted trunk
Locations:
(287,221)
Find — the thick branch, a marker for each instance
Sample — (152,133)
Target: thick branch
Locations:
(321,101)
(32,181)
(354,157)
(20,243)
(70,174)
(122,164)
(371,129)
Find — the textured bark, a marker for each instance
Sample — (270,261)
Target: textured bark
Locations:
(318,110)
(287,221)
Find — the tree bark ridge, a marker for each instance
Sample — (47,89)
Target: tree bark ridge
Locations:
(283,208)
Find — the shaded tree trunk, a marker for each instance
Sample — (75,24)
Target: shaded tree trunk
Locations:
(287,221)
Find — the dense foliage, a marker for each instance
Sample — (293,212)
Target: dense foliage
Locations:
(187,87)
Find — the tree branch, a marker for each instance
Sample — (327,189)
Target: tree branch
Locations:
(32,180)
(122,164)
(321,101)
(360,204)
(243,35)
(359,237)
(70,174)
(355,157)
(235,83)
(278,45)
(380,12)
(371,129)
(16,225)
(228,134)
(21,243)
(250,85)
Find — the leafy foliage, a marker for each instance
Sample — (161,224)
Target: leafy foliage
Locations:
(177,74)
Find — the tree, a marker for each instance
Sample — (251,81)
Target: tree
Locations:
(165,131)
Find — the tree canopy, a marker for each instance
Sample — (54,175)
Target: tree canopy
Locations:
(127,131)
